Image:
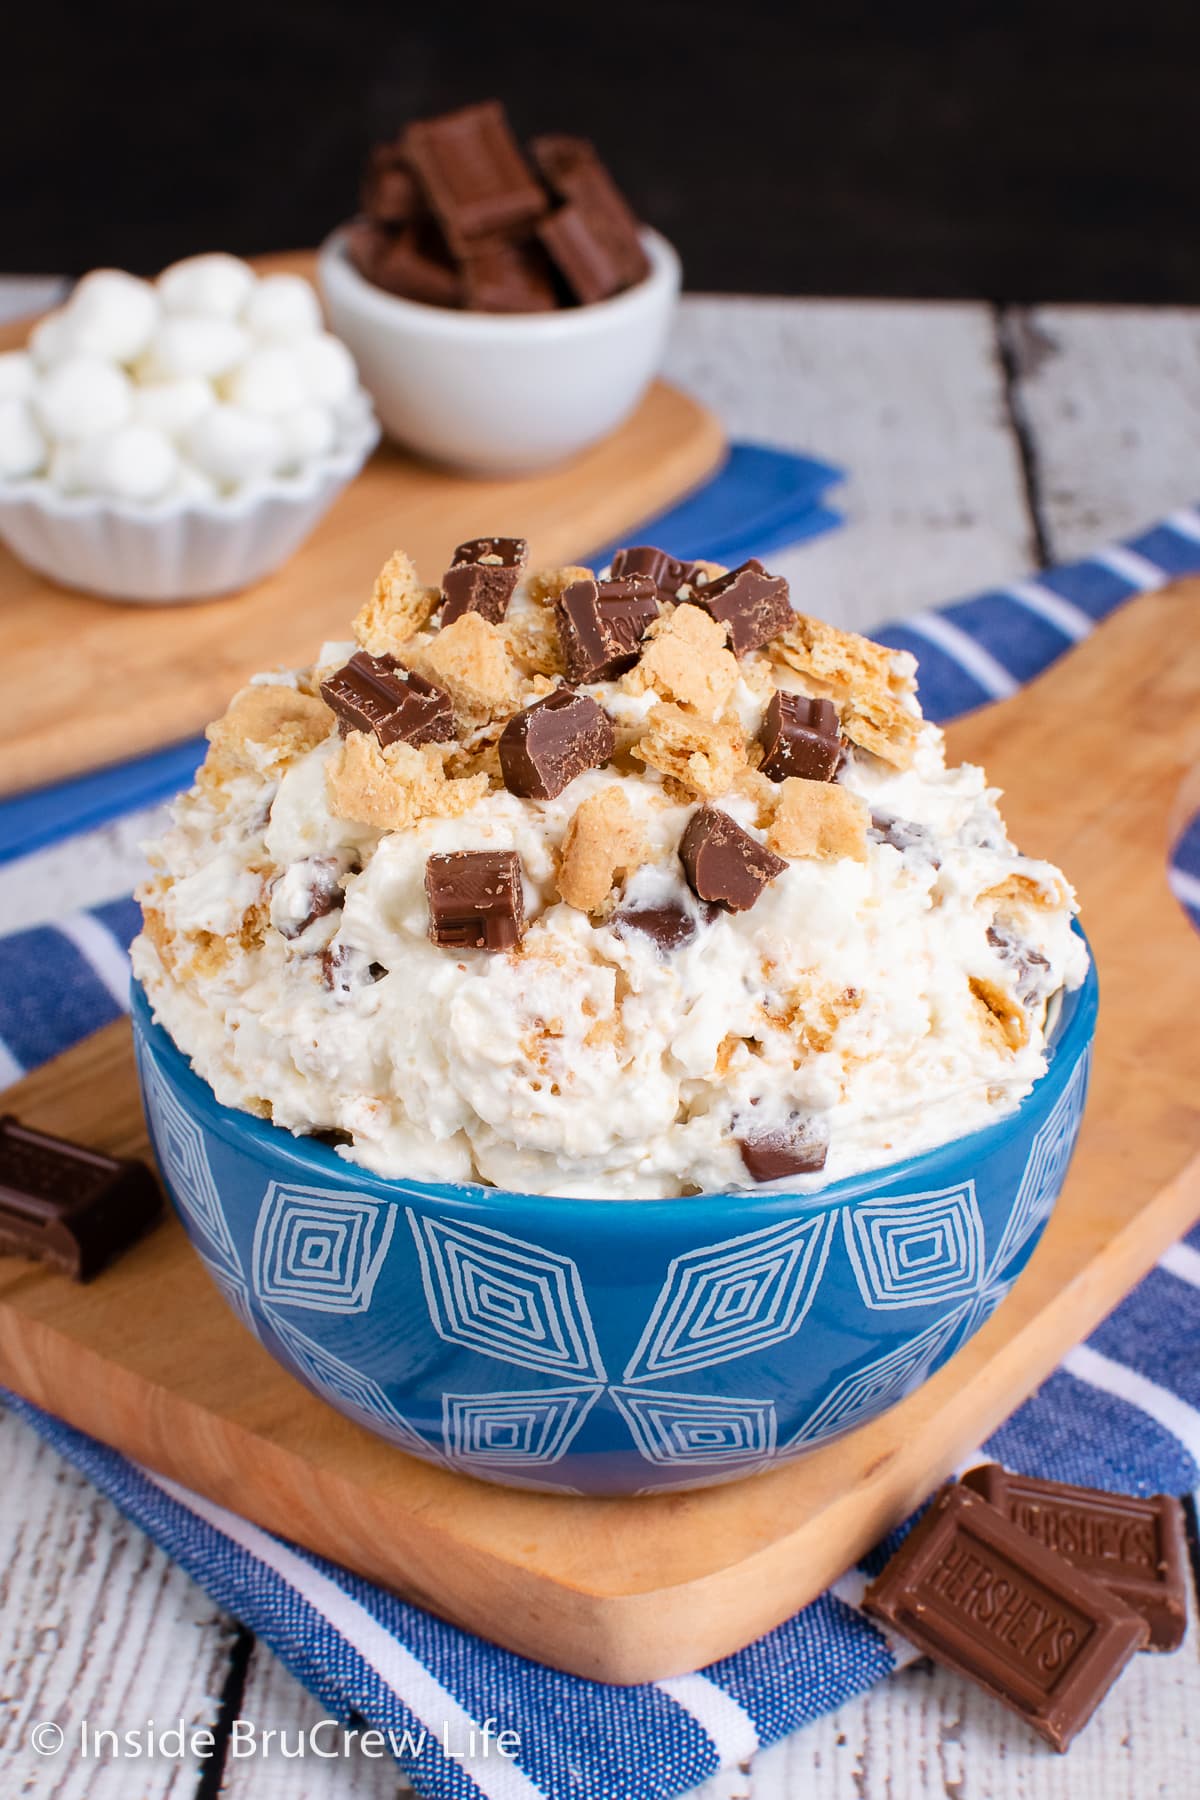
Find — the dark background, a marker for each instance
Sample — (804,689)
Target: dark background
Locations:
(1014,152)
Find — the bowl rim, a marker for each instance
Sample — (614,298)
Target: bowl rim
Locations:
(1069,1042)
(395,313)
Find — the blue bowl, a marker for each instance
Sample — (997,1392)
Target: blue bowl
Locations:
(610,1346)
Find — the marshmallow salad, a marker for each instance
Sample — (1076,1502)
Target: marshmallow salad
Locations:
(633,887)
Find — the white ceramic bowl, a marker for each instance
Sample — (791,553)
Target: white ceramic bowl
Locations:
(498,393)
(177,550)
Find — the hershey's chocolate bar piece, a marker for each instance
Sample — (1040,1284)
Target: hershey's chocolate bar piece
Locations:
(345,969)
(509,278)
(1031,967)
(476,901)
(481,578)
(669,926)
(797,1148)
(473,173)
(73,1208)
(972,1590)
(545,747)
(753,606)
(903,835)
(373,693)
(601,625)
(1133,1546)
(725,864)
(667,573)
(390,195)
(593,236)
(411,262)
(800,737)
(322,890)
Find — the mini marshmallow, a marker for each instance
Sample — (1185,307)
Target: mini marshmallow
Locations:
(135,463)
(215,285)
(52,339)
(82,396)
(326,368)
(193,344)
(65,469)
(233,446)
(18,375)
(191,483)
(171,406)
(268,382)
(282,307)
(23,449)
(112,315)
(307,432)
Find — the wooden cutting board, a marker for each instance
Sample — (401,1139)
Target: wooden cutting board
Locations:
(88,681)
(1093,757)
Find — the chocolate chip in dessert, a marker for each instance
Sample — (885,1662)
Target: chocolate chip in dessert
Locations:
(668,573)
(322,891)
(1029,965)
(374,694)
(601,625)
(473,173)
(753,606)
(725,864)
(481,578)
(797,1148)
(905,835)
(669,927)
(73,1208)
(545,747)
(476,901)
(800,737)
(345,969)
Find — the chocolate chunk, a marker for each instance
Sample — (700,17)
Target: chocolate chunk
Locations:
(753,606)
(800,737)
(473,173)
(1134,1547)
(972,1590)
(601,625)
(322,894)
(797,1148)
(904,835)
(1031,967)
(669,926)
(476,900)
(345,969)
(373,693)
(411,262)
(481,578)
(667,573)
(509,278)
(593,237)
(73,1208)
(545,747)
(390,195)
(725,864)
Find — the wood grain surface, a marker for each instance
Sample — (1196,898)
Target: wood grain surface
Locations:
(90,681)
(150,1360)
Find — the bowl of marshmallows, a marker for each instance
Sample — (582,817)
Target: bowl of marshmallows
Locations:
(176,439)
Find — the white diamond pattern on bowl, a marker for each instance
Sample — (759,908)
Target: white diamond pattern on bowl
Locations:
(319,1249)
(524,1430)
(702,1430)
(1047,1165)
(179,1146)
(348,1388)
(727,1299)
(878,1384)
(916,1249)
(506,1298)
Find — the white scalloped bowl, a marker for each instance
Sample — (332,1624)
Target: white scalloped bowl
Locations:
(177,550)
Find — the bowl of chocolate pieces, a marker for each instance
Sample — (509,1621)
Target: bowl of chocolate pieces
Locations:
(504,306)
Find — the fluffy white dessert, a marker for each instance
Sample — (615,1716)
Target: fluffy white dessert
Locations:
(887,990)
(124,357)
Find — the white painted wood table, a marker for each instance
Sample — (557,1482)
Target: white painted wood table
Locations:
(980,443)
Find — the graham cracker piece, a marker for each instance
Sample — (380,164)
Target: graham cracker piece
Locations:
(533,642)
(810,1012)
(544,586)
(395,788)
(399,607)
(266,727)
(1001,1017)
(819,819)
(685,659)
(1025,891)
(200,955)
(602,841)
(872,684)
(470,660)
(705,758)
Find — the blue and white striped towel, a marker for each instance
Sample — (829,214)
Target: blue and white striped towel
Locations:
(1123,1410)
